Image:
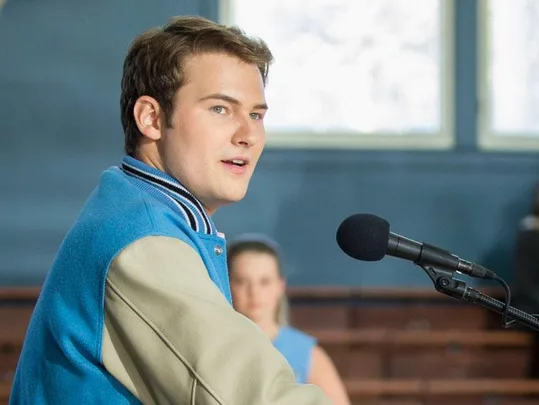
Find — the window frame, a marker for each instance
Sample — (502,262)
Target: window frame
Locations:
(489,140)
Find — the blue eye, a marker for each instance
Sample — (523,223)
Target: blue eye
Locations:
(256,116)
(219,109)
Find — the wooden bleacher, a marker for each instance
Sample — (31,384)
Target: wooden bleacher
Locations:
(417,347)
(391,346)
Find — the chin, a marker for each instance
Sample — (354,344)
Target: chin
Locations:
(236,195)
(255,317)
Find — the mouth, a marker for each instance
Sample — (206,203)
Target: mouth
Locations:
(237,162)
(237,165)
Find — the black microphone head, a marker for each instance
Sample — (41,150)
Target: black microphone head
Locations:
(364,237)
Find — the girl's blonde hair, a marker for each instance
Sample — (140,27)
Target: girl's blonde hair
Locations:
(260,244)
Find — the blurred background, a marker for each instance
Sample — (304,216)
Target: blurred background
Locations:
(419,111)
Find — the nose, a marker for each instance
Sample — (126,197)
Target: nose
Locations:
(252,291)
(248,132)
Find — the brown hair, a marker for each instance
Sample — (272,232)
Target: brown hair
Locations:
(260,244)
(154,65)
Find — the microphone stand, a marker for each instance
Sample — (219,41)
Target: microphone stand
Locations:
(445,283)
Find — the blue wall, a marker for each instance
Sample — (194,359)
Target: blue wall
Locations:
(60,113)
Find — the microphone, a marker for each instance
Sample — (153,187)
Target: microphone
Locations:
(367,237)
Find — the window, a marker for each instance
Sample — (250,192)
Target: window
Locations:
(355,73)
(509,75)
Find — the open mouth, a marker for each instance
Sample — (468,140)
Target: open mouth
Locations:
(236,162)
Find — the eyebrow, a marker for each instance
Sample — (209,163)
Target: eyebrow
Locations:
(232,100)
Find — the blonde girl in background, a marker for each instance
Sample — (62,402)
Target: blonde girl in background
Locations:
(259,292)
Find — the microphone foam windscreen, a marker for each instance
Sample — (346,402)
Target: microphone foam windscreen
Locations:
(364,237)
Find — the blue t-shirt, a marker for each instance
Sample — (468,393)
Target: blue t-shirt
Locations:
(297,348)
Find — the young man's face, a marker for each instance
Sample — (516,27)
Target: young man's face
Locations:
(217,132)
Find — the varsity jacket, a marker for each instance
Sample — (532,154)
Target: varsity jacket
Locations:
(137,309)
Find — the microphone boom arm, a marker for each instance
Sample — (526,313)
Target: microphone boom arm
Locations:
(445,283)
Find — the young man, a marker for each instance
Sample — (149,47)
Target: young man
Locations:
(136,308)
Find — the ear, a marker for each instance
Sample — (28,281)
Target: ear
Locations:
(147,112)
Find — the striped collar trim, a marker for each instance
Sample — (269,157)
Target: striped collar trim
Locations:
(174,192)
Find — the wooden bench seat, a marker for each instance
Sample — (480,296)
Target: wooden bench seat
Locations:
(422,338)
(453,354)
(417,387)
(5,389)
(443,392)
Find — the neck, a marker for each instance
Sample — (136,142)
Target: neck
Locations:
(171,191)
(154,160)
(270,327)
(149,155)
